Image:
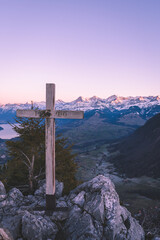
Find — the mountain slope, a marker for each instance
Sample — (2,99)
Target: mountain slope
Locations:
(97,127)
(140,152)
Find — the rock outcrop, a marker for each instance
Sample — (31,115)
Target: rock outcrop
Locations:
(96,213)
(90,211)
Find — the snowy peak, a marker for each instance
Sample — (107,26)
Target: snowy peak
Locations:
(141,99)
(111,98)
(79,99)
(158,97)
(94,98)
(60,101)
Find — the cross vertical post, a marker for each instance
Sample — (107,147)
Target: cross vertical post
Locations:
(50,149)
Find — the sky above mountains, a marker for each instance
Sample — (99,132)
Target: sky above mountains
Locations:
(85,47)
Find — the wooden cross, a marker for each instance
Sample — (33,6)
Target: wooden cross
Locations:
(50,114)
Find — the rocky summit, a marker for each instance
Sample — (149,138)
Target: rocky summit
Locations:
(90,211)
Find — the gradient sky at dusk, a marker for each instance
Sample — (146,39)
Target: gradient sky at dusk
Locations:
(86,47)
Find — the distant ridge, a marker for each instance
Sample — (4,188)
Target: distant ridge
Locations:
(113,102)
(140,152)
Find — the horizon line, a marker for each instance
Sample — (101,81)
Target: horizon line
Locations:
(85,98)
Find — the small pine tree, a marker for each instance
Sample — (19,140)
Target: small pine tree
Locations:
(27,156)
(26,153)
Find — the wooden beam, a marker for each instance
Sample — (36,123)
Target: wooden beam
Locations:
(31,113)
(49,114)
(50,142)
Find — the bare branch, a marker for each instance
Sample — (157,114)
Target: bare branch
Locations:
(40,174)
(26,164)
(26,157)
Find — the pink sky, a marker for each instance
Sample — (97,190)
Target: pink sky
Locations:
(86,47)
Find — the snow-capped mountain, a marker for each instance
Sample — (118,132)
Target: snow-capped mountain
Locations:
(85,104)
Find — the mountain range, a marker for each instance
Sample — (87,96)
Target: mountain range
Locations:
(85,104)
(105,120)
(144,106)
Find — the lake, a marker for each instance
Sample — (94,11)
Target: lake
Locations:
(7,132)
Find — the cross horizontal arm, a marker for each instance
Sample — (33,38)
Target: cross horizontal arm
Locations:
(49,114)
(33,113)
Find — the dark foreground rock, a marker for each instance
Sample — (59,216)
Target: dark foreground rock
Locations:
(91,211)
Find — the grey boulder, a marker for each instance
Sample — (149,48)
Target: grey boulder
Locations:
(12,224)
(37,227)
(15,197)
(96,214)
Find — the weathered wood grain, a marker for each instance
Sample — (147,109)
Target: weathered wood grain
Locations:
(48,114)
(50,141)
